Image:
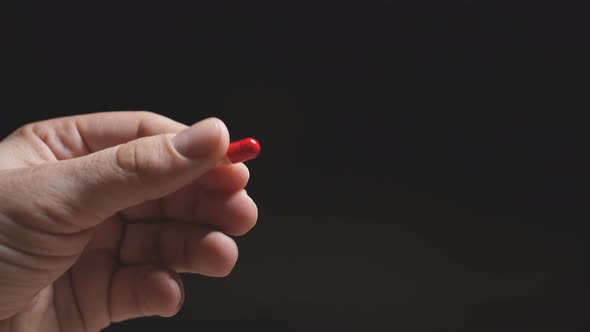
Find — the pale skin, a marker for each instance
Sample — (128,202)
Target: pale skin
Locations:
(99,214)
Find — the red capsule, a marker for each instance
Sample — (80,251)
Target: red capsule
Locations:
(243,150)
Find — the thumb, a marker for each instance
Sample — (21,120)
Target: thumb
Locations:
(78,193)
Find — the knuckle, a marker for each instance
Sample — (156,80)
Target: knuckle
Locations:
(144,113)
(126,157)
(147,115)
(25,131)
(149,156)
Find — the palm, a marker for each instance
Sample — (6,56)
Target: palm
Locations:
(118,274)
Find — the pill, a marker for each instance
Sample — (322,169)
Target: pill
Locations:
(243,150)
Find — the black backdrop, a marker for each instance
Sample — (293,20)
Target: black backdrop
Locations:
(416,173)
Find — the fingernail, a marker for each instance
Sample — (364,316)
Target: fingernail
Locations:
(198,140)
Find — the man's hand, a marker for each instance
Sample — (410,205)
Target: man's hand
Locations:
(99,213)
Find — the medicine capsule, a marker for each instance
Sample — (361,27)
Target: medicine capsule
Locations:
(243,150)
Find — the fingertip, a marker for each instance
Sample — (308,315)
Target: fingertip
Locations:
(223,132)
(245,171)
(248,212)
(226,178)
(163,293)
(206,139)
(223,255)
(229,254)
(233,213)
(144,290)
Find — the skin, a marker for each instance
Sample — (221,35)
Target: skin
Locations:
(99,214)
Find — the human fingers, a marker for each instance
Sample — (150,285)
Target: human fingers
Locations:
(182,247)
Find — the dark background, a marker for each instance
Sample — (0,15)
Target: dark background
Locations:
(417,172)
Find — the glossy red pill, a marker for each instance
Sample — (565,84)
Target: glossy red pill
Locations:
(243,150)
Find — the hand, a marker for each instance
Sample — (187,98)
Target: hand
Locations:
(99,213)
